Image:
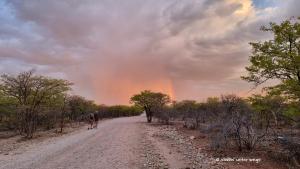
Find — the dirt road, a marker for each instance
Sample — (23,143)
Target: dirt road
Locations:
(122,143)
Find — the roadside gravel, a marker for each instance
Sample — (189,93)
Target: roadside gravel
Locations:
(176,151)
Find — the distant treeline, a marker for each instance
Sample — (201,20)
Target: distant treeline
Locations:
(118,111)
(29,102)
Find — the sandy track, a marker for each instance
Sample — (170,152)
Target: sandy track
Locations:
(115,144)
(122,143)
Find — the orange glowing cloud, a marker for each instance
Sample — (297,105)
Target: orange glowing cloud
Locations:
(120,91)
(117,84)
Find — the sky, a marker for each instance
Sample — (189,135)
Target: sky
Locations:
(112,49)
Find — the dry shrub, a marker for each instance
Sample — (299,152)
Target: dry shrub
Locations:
(234,125)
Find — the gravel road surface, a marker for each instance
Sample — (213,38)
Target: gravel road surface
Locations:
(121,143)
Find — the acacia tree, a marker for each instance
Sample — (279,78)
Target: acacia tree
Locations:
(278,58)
(31,92)
(150,101)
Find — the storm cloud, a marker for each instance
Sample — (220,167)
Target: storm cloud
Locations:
(112,49)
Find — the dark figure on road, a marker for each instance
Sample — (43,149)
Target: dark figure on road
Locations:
(91,120)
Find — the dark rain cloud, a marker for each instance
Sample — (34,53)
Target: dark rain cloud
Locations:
(112,49)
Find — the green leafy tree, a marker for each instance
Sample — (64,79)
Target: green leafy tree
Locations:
(80,107)
(292,113)
(54,112)
(278,58)
(150,101)
(7,111)
(31,92)
(267,108)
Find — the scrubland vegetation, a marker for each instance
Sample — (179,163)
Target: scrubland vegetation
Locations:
(267,120)
(29,102)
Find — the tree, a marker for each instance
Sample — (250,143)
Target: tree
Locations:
(190,111)
(185,107)
(64,107)
(237,123)
(150,101)
(31,92)
(267,107)
(278,58)
(7,111)
(79,107)
(55,112)
(212,107)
